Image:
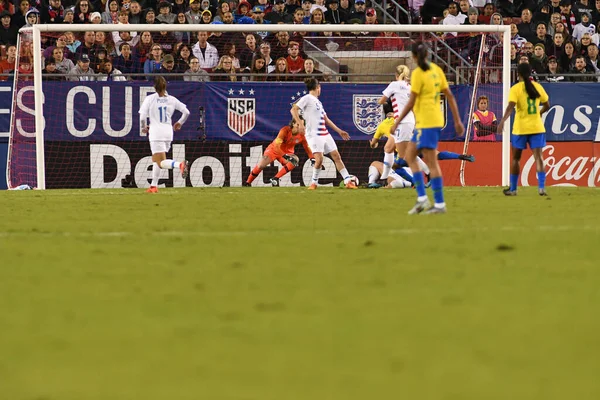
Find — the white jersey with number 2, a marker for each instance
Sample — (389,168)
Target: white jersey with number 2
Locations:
(314,115)
(399,93)
(160,110)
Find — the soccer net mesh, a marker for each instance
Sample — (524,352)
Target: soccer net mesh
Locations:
(239,86)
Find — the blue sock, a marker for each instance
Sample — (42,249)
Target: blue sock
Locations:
(402,172)
(447,155)
(400,162)
(541,180)
(419,183)
(437,185)
(514,179)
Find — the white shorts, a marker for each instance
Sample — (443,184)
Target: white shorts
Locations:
(321,144)
(403,133)
(160,146)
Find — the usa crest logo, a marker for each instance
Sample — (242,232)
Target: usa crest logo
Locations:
(367,113)
(241,115)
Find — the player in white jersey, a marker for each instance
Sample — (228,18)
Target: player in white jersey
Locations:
(317,136)
(394,181)
(159,108)
(398,92)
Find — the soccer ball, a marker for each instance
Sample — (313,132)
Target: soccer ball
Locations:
(352,179)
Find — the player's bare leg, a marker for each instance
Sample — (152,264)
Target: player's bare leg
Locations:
(375,170)
(339,165)
(514,172)
(541,174)
(422,203)
(316,170)
(157,159)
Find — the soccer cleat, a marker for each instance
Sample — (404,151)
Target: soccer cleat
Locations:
(435,210)
(184,167)
(275,182)
(313,186)
(374,185)
(467,157)
(351,185)
(152,189)
(508,192)
(419,207)
(542,192)
(246,184)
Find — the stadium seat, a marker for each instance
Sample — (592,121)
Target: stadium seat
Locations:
(507,20)
(516,20)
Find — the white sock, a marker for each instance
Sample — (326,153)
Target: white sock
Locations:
(344,173)
(373,174)
(155,174)
(388,161)
(169,164)
(398,182)
(423,166)
(315,178)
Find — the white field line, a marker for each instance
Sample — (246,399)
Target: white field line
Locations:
(400,232)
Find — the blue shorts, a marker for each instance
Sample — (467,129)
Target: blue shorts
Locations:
(536,141)
(426,138)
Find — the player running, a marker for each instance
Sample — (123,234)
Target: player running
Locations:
(399,94)
(428,81)
(318,137)
(528,128)
(159,108)
(282,150)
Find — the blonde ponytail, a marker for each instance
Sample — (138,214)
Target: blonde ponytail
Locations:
(403,72)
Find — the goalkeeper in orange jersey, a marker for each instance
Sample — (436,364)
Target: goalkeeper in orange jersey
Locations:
(282,150)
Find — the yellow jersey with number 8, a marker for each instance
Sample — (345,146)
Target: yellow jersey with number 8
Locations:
(528,120)
(428,85)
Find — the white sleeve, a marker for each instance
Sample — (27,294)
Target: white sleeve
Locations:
(388,92)
(185,113)
(301,104)
(144,112)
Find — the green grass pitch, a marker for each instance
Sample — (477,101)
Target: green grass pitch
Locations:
(287,294)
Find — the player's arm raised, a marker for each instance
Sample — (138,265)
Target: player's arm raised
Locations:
(333,126)
(185,113)
(295,111)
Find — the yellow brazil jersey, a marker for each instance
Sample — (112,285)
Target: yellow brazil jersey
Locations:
(528,120)
(384,128)
(428,85)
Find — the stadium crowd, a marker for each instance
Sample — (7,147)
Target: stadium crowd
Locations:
(559,39)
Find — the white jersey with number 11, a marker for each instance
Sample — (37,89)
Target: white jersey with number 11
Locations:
(160,110)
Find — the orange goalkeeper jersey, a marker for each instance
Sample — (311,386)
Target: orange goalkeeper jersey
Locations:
(285,142)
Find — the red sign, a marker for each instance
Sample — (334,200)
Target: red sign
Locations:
(567,164)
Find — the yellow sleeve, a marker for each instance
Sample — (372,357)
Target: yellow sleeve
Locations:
(513,95)
(415,81)
(381,129)
(475,117)
(543,95)
(443,80)
(493,116)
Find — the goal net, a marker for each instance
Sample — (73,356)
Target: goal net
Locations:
(75,121)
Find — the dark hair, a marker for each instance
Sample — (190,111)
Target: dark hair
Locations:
(387,108)
(419,50)
(524,71)
(311,83)
(292,122)
(160,84)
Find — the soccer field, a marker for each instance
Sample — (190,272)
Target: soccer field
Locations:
(287,294)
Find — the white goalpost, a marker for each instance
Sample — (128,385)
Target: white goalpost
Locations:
(46,29)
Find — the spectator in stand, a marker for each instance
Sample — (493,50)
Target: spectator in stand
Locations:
(111,16)
(53,13)
(95,18)
(220,39)
(266,5)
(247,53)
(150,17)
(463,7)
(228,18)
(542,36)
(317,17)
(311,71)
(82,72)
(584,27)
(222,9)
(290,7)
(557,49)
(8,65)
(25,71)
(153,61)
(144,47)
(592,61)
(230,50)
(306,7)
(101,57)
(182,37)
(281,72)
(206,17)
(183,57)
(195,73)
(554,71)
(243,10)
(63,64)
(542,14)
(109,73)
(205,52)
(554,20)
(335,15)
(583,75)
(596,13)
(258,15)
(8,32)
(166,40)
(453,18)
(294,61)
(88,46)
(8,6)
(471,42)
(388,41)
(586,41)
(280,48)
(371,16)
(554,6)
(61,43)
(265,51)
(72,42)
(359,11)
(180,6)
(135,13)
(258,69)
(515,38)
(567,61)
(194,15)
(582,7)
(164,13)
(32,17)
(488,11)
(102,41)
(507,8)
(50,73)
(277,14)
(514,60)
(82,11)
(539,60)
(206,5)
(526,27)
(224,72)
(567,16)
(168,69)
(18,19)
(127,63)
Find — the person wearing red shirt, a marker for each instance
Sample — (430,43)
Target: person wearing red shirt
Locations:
(295,62)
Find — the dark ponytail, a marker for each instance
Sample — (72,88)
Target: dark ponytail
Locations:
(419,50)
(524,71)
